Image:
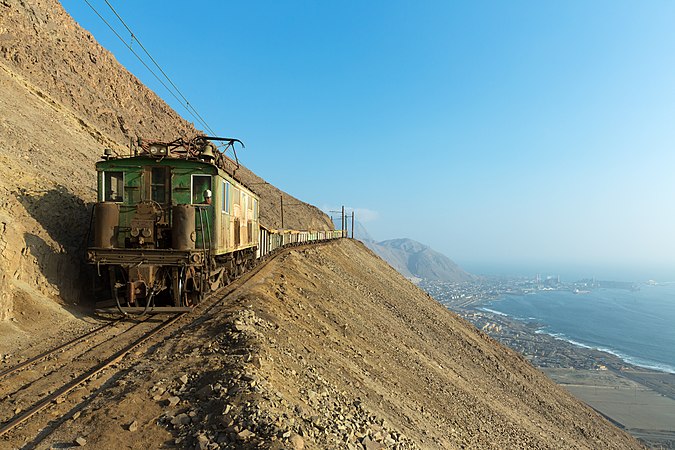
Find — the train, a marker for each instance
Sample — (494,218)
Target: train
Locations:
(172,224)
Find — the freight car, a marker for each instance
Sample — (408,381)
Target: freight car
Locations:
(171,224)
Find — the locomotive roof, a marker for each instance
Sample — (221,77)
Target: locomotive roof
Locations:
(199,152)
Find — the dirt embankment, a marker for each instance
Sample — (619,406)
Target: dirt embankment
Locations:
(63,99)
(330,348)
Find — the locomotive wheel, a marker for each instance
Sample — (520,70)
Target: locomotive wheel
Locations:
(236,271)
(193,297)
(193,288)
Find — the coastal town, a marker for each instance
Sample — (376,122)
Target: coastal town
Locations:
(471,301)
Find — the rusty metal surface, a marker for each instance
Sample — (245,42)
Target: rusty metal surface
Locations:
(198,148)
(132,256)
(148,311)
(148,213)
(183,233)
(106,219)
(42,356)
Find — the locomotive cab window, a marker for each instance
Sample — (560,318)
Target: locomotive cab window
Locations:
(226,197)
(113,186)
(236,196)
(159,185)
(200,185)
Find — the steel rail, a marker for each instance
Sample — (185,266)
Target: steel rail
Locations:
(43,355)
(46,401)
(87,350)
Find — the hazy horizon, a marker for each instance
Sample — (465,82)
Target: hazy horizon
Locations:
(491,131)
(572,272)
(567,270)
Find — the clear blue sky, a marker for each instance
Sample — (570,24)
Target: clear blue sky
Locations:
(521,133)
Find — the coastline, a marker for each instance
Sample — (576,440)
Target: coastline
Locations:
(638,399)
(627,359)
(631,324)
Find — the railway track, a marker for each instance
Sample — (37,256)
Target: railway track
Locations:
(34,385)
(53,351)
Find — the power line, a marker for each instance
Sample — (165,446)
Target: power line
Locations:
(134,37)
(188,107)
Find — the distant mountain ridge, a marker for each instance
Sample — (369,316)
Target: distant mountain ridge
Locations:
(418,261)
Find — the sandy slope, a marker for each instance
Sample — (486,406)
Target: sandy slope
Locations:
(330,348)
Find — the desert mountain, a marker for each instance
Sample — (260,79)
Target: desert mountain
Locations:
(361,233)
(415,260)
(324,348)
(63,99)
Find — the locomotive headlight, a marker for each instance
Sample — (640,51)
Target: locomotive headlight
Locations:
(135,232)
(158,150)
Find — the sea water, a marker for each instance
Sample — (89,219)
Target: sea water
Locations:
(637,326)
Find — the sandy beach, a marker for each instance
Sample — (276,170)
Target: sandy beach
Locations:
(627,400)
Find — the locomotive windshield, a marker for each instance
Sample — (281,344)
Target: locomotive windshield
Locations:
(159,184)
(113,186)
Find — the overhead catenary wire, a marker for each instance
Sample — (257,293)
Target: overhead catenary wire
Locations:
(175,92)
(140,44)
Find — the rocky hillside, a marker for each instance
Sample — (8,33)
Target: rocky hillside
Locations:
(415,261)
(330,348)
(63,99)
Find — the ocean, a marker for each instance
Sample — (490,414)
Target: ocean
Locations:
(637,326)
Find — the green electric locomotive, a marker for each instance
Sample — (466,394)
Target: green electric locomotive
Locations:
(171,224)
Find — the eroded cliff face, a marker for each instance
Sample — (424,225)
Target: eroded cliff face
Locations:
(45,186)
(342,334)
(39,40)
(63,99)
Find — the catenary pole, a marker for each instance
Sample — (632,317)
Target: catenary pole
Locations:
(343,221)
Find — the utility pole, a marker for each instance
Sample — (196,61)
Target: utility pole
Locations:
(281,200)
(344,222)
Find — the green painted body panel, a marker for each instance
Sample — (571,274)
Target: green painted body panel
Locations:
(213,219)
